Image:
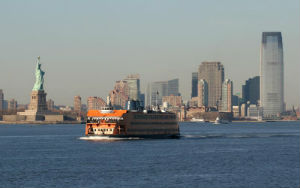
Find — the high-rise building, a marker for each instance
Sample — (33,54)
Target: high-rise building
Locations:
(213,74)
(142,99)
(194,84)
(120,95)
(133,82)
(158,90)
(95,103)
(202,93)
(148,95)
(251,90)
(1,100)
(226,102)
(12,104)
(271,74)
(173,87)
(50,104)
(77,104)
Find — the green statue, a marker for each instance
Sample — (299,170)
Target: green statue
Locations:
(39,77)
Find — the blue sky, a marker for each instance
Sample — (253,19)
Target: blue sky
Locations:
(85,46)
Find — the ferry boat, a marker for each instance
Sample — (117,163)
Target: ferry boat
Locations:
(133,122)
(220,121)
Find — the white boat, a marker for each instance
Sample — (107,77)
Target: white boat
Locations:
(197,120)
(220,121)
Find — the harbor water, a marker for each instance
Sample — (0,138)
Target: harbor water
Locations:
(206,155)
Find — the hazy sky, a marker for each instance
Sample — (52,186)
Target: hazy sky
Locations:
(85,46)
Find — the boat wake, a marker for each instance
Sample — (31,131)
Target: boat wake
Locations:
(107,138)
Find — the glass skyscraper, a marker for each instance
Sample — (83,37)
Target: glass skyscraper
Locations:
(194,84)
(271,74)
(251,90)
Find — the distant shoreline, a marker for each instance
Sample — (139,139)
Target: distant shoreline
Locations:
(38,122)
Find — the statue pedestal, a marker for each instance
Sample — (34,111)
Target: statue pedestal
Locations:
(38,102)
(37,108)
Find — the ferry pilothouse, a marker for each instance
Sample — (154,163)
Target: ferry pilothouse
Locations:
(133,122)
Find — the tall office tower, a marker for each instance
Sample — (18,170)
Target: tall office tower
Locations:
(202,93)
(227,88)
(12,104)
(123,87)
(158,90)
(194,84)
(95,103)
(77,104)
(133,82)
(1,100)
(213,74)
(148,95)
(173,87)
(142,99)
(119,95)
(50,104)
(271,74)
(250,91)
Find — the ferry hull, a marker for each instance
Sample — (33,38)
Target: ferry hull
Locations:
(133,124)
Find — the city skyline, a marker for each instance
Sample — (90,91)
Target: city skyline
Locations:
(73,55)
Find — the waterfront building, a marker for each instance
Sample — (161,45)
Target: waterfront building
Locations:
(12,104)
(1,100)
(243,110)
(133,82)
(50,104)
(194,84)
(226,102)
(120,94)
(271,74)
(250,91)
(95,103)
(213,74)
(172,100)
(236,111)
(202,93)
(252,111)
(77,104)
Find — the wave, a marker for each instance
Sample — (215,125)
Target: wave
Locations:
(237,136)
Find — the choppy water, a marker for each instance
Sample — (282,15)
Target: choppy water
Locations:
(206,155)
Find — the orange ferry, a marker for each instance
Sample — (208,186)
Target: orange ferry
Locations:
(131,123)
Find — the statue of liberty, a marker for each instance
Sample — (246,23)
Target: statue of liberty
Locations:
(39,77)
